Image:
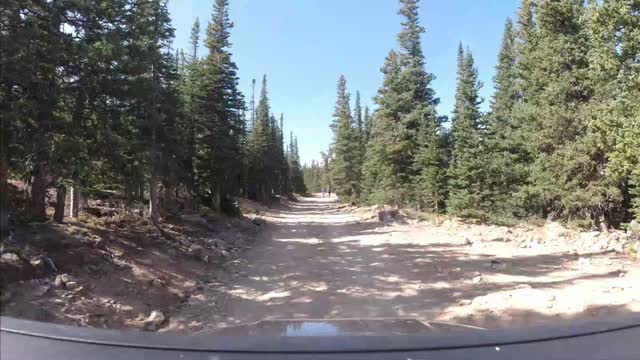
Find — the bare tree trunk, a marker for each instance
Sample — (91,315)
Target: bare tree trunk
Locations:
(38,206)
(61,198)
(216,198)
(75,201)
(4,187)
(153,199)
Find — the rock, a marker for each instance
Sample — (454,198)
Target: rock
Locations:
(155,319)
(198,252)
(477,279)
(464,302)
(158,283)
(61,280)
(10,257)
(523,286)
(467,241)
(387,215)
(72,285)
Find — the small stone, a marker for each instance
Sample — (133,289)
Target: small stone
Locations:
(467,241)
(523,286)
(71,285)
(464,302)
(477,279)
(155,319)
(59,282)
(157,283)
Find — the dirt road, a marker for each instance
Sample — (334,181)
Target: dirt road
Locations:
(315,259)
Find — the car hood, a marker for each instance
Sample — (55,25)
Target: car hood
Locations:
(341,327)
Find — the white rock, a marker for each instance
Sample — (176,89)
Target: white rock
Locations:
(155,319)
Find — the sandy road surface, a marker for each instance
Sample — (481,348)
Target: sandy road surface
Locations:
(317,260)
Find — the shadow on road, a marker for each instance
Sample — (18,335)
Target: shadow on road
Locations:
(316,261)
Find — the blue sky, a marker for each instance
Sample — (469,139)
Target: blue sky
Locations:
(304,45)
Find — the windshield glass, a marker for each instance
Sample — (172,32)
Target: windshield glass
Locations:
(319,167)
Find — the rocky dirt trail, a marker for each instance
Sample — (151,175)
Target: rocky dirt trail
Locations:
(317,258)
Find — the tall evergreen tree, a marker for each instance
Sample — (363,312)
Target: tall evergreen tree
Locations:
(258,148)
(219,106)
(467,175)
(506,151)
(565,176)
(406,108)
(296,177)
(614,112)
(346,147)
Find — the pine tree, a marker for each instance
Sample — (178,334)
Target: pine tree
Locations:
(467,175)
(219,106)
(359,139)
(346,147)
(366,128)
(296,177)
(258,147)
(507,153)
(565,176)
(614,112)
(379,170)
(406,108)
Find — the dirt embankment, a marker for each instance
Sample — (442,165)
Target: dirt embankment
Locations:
(104,273)
(317,258)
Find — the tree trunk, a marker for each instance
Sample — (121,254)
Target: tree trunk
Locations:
(75,201)
(216,198)
(61,198)
(38,206)
(4,187)
(153,200)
